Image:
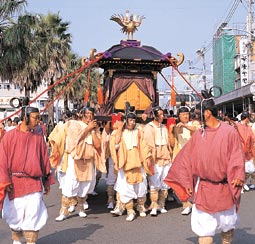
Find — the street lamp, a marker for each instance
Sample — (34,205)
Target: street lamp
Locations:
(201,53)
(236,29)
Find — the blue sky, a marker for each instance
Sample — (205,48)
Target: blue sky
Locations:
(170,26)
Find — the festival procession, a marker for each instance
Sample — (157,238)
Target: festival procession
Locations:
(105,153)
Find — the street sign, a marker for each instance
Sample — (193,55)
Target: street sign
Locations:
(252,88)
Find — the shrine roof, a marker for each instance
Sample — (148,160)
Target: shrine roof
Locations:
(133,50)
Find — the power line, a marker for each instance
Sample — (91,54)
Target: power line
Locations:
(232,11)
(245,6)
(227,20)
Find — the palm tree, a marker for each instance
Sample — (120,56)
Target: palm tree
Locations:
(47,52)
(16,49)
(8,8)
(75,93)
(36,48)
(54,41)
(74,63)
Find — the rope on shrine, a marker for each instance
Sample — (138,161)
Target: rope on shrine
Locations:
(87,90)
(62,92)
(188,83)
(172,87)
(78,72)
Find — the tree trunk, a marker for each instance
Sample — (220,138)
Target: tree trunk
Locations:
(27,92)
(50,109)
(65,103)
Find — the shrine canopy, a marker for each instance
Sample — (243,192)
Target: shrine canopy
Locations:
(130,75)
(131,55)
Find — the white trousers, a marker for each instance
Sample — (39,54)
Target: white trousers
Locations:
(25,213)
(156,181)
(71,187)
(205,224)
(111,176)
(60,177)
(130,191)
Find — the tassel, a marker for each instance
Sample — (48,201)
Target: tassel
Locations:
(100,98)
(86,96)
(87,92)
(173,98)
(173,95)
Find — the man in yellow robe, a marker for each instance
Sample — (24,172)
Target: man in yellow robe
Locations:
(131,180)
(157,158)
(179,135)
(82,149)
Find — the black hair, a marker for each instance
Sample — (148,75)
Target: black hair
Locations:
(131,115)
(183,110)
(16,120)
(166,111)
(67,114)
(244,115)
(26,111)
(208,104)
(85,109)
(171,112)
(155,111)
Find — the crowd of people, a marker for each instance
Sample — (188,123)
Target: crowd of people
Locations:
(207,160)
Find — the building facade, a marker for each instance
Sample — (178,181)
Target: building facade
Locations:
(234,72)
(9,90)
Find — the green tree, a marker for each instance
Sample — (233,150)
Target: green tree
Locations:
(7,10)
(35,49)
(75,93)
(54,42)
(74,63)
(16,50)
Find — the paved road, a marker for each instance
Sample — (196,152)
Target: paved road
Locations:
(101,228)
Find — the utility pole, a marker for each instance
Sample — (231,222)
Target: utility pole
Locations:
(250,40)
(190,63)
(188,90)
(201,53)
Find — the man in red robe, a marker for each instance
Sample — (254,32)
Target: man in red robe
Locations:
(210,167)
(24,176)
(2,131)
(248,139)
